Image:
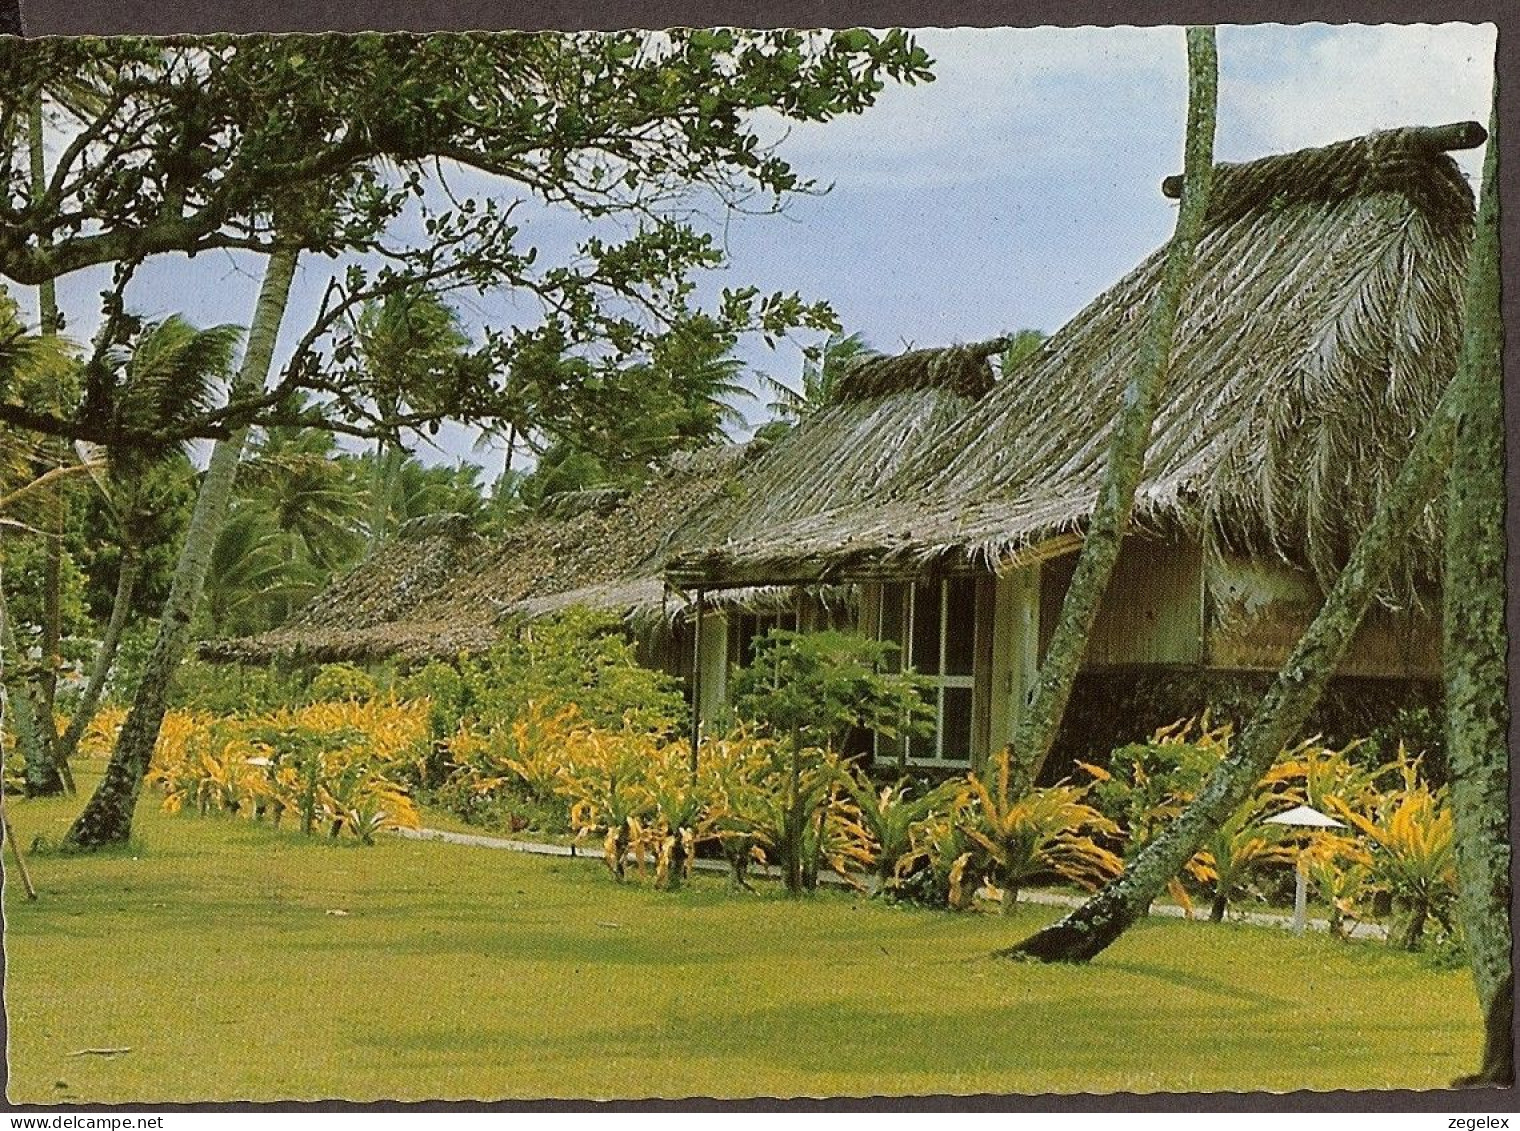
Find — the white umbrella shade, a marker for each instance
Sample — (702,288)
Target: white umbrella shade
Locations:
(1305,816)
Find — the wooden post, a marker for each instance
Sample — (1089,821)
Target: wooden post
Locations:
(696,682)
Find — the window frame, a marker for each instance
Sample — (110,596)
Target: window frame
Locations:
(910,596)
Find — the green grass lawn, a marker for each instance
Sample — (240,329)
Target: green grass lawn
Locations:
(457,972)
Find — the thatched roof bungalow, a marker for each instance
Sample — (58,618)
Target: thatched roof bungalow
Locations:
(1322,322)
(439,590)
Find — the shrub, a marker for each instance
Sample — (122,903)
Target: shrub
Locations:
(1236,852)
(510,775)
(445,689)
(579,659)
(335,682)
(813,688)
(330,763)
(1413,853)
(232,689)
(606,780)
(1148,784)
(892,816)
(1044,832)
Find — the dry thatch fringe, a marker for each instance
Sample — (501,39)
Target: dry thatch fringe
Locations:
(963,370)
(1317,335)
(1396,160)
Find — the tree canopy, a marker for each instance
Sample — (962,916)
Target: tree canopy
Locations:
(354,147)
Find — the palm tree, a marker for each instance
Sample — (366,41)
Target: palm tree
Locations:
(168,375)
(408,342)
(439,489)
(310,493)
(107,817)
(253,580)
(820,377)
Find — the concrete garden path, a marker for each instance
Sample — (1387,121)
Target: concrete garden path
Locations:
(1051,898)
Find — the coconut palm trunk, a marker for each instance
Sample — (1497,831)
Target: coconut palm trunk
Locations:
(105,657)
(107,818)
(54,777)
(387,472)
(1477,714)
(1092,927)
(23,711)
(1041,721)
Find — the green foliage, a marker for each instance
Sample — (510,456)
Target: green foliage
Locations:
(226,689)
(1412,853)
(1148,784)
(336,139)
(1021,344)
(815,687)
(789,801)
(448,692)
(579,658)
(335,682)
(1238,851)
(22,564)
(150,515)
(823,370)
(893,816)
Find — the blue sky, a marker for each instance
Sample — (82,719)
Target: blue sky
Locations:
(1008,193)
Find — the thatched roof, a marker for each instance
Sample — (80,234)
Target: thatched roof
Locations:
(1321,325)
(608,550)
(884,419)
(438,592)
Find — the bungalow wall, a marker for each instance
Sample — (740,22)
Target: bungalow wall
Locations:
(1169,606)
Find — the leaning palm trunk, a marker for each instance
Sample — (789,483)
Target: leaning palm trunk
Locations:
(1091,928)
(105,658)
(107,819)
(1477,714)
(1041,721)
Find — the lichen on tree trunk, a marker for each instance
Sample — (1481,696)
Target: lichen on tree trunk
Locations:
(107,818)
(1475,642)
(1040,722)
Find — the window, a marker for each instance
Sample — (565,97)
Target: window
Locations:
(935,623)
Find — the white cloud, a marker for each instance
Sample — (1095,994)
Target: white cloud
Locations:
(1348,81)
(1009,101)
(1002,99)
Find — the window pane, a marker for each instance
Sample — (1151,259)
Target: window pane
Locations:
(956,722)
(926,612)
(960,626)
(921,747)
(892,620)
